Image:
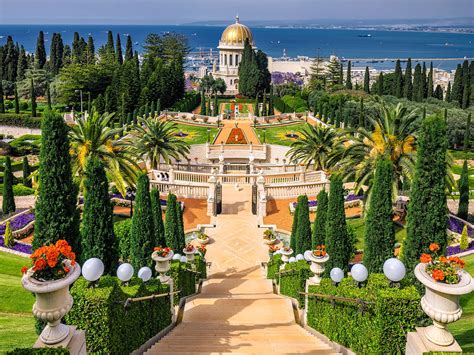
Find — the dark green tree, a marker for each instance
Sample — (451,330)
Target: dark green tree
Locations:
(398,80)
(294,228)
(40,55)
(417,84)
(379,230)
(349,76)
(438,93)
(467,134)
(466,85)
(430,84)
(447,97)
(457,88)
(407,82)
(203,103)
(129,48)
(22,64)
(271,109)
(2,104)
(33,98)
(463,186)
(424,84)
(159,227)
(367,80)
(427,211)
(172,235)
(142,235)
(17,100)
(8,203)
(109,47)
(380,85)
(179,217)
(118,50)
(319,229)
(361,113)
(57,216)
(90,51)
(97,229)
(26,172)
(304,226)
(338,245)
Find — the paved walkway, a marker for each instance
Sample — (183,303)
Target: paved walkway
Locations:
(246,127)
(237,311)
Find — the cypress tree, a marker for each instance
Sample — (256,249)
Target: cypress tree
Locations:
(456,90)
(17,100)
(304,226)
(367,80)
(447,98)
(337,242)
(152,109)
(57,216)
(463,186)
(264,102)
(90,51)
(467,134)
(33,98)
(48,96)
(424,84)
(256,110)
(97,229)
(427,211)
(438,93)
(341,74)
(407,82)
(129,48)
(294,228)
(142,235)
(271,109)
(319,230)
(2,104)
(158,106)
(349,76)
(466,85)
(8,203)
(26,172)
(119,50)
(380,85)
(361,113)
(172,236)
(22,65)
(179,217)
(8,239)
(417,84)
(430,84)
(109,47)
(159,227)
(379,230)
(40,55)
(398,80)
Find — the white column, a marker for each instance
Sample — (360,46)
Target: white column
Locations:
(262,196)
(171,176)
(211,192)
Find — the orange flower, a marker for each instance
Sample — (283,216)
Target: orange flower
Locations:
(40,264)
(61,244)
(425,258)
(443,259)
(437,274)
(434,247)
(458,261)
(24,269)
(66,270)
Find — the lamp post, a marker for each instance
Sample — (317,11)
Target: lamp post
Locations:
(131,196)
(82,105)
(208,135)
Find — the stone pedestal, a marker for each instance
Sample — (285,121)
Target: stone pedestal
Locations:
(75,342)
(417,344)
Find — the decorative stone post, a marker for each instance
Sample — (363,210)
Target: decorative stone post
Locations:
(221,164)
(285,256)
(262,196)
(171,176)
(208,148)
(212,190)
(251,163)
(317,267)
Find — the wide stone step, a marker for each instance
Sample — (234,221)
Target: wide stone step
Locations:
(238,287)
(236,352)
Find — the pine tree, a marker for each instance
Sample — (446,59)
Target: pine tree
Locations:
(57,216)
(380,85)
(172,235)
(129,49)
(379,230)
(417,84)
(338,245)
(119,50)
(319,230)
(26,172)
(447,98)
(97,229)
(304,226)
(398,80)
(8,203)
(17,100)
(159,227)
(142,235)
(33,98)
(367,80)
(294,228)
(430,84)
(427,211)
(466,85)
(457,88)
(407,82)
(349,76)
(2,104)
(109,47)
(463,187)
(40,55)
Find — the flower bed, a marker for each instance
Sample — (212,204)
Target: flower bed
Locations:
(118,200)
(236,136)
(350,200)
(456,249)
(456,225)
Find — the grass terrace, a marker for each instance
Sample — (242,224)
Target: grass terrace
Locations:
(281,135)
(195,134)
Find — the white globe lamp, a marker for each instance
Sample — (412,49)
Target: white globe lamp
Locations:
(92,269)
(336,275)
(177,257)
(292,260)
(125,272)
(394,270)
(145,273)
(359,273)
(183,259)
(307,255)
(299,257)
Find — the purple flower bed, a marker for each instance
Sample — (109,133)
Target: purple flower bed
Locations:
(457,249)
(311,203)
(352,197)
(457,226)
(279,78)
(24,248)
(18,222)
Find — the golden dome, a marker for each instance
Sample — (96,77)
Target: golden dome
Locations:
(236,34)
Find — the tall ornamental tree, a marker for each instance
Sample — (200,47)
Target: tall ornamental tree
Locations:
(407,82)
(8,203)
(142,236)
(447,97)
(463,186)
(349,76)
(338,245)
(304,226)
(379,230)
(129,48)
(159,228)
(97,229)
(33,98)
(294,228)
(380,85)
(466,85)
(430,85)
(171,224)
(398,80)
(179,217)
(26,172)
(40,55)
(427,211)
(2,104)
(417,84)
(119,50)
(17,100)
(457,88)
(367,80)
(56,213)
(467,134)
(319,229)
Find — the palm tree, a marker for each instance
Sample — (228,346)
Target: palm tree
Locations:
(317,147)
(92,136)
(154,140)
(393,135)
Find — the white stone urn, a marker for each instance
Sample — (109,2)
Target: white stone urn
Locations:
(317,267)
(203,241)
(441,304)
(285,255)
(270,241)
(53,301)
(189,254)
(162,265)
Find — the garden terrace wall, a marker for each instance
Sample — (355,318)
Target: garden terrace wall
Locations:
(292,280)
(380,328)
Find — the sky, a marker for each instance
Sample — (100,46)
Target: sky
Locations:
(185,11)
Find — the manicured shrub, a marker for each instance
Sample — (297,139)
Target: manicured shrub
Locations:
(379,328)
(97,231)
(8,203)
(463,186)
(201,266)
(26,144)
(122,231)
(142,237)
(20,120)
(9,241)
(293,280)
(179,218)
(273,266)
(304,226)
(172,233)
(319,230)
(294,228)
(183,279)
(110,327)
(26,172)
(379,230)
(19,190)
(159,228)
(464,243)
(57,216)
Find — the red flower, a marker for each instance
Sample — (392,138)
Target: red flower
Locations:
(443,259)
(40,264)
(66,269)
(434,247)
(425,258)
(457,260)
(437,274)
(24,269)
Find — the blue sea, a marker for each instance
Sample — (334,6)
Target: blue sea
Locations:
(296,42)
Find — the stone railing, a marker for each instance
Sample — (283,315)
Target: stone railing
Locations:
(182,189)
(280,191)
(236,151)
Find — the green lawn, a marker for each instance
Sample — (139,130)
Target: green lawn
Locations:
(196,134)
(277,135)
(17,325)
(358,224)
(459,154)
(457,170)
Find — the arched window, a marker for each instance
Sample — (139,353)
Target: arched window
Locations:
(225,59)
(236,59)
(230,81)
(230,59)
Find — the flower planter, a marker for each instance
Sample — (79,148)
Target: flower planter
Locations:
(270,241)
(53,301)
(189,255)
(203,241)
(162,265)
(285,255)
(317,267)
(441,304)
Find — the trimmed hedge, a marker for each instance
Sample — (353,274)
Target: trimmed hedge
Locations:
(273,266)
(20,120)
(380,329)
(19,190)
(28,351)
(111,328)
(184,280)
(292,283)
(201,266)
(122,231)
